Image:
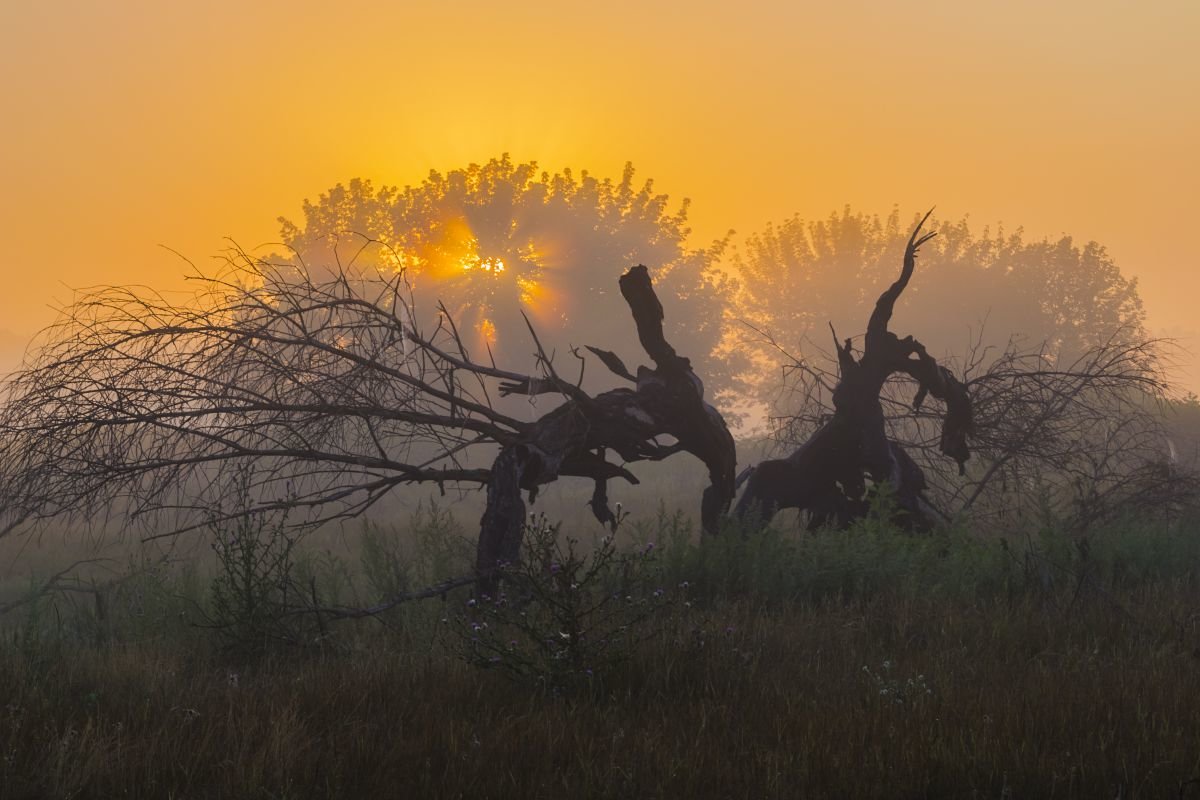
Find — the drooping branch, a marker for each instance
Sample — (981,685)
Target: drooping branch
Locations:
(958,420)
(329,396)
(140,405)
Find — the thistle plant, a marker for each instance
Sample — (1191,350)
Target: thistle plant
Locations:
(561,616)
(895,689)
(253,585)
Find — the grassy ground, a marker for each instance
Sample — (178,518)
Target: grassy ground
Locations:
(860,665)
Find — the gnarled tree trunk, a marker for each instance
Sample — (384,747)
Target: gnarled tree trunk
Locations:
(827,476)
(667,400)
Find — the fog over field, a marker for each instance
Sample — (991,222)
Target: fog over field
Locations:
(544,400)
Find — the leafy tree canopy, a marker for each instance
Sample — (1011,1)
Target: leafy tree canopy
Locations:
(798,277)
(492,241)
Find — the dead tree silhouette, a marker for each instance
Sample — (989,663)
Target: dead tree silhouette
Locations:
(147,408)
(827,475)
(572,440)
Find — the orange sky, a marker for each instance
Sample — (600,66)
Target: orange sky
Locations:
(129,124)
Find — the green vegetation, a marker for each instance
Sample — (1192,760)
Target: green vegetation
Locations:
(868,663)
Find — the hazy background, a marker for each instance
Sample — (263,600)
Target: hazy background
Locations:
(133,124)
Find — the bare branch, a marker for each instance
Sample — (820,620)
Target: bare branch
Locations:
(145,408)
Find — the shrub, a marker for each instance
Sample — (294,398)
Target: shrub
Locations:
(562,617)
(255,586)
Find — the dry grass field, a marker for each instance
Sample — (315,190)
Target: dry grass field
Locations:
(865,664)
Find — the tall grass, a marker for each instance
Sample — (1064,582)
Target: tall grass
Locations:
(866,663)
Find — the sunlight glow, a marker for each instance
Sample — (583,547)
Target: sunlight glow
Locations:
(487,272)
(487,329)
(495,265)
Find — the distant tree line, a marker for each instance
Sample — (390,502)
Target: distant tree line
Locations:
(798,278)
(564,237)
(406,336)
